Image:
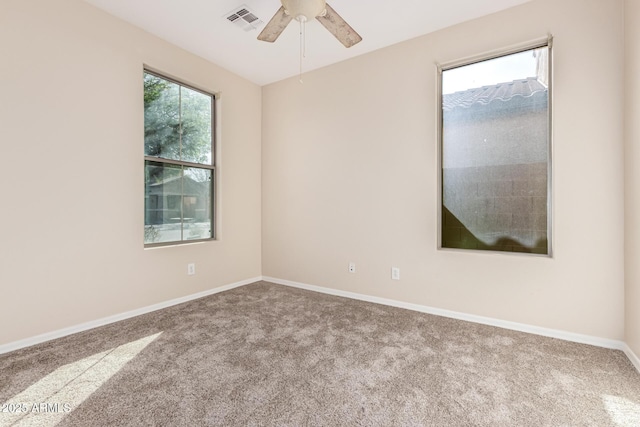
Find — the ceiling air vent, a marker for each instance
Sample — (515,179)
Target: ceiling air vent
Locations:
(243,18)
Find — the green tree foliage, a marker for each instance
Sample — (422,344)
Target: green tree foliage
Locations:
(177,126)
(177,121)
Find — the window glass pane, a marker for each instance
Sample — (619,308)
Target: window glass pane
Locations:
(178,133)
(495,150)
(161,118)
(177,203)
(163,207)
(196,126)
(197,203)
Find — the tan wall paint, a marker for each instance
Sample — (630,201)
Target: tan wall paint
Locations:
(349,174)
(71,130)
(632,157)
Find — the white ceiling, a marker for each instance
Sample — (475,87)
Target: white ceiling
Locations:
(201,27)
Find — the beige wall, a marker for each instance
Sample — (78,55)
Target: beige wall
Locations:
(632,178)
(71,130)
(349,174)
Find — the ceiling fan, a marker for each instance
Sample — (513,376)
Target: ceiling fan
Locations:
(306,10)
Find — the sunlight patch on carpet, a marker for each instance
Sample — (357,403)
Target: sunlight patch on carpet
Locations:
(623,412)
(46,402)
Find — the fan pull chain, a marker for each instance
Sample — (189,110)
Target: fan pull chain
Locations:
(303,45)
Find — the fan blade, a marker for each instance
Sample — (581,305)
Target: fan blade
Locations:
(339,27)
(275,27)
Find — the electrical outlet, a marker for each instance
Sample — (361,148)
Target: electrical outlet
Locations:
(191,269)
(395,273)
(352,267)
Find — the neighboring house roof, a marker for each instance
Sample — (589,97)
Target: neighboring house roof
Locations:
(178,186)
(525,88)
(166,181)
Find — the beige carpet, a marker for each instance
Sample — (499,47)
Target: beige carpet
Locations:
(269,355)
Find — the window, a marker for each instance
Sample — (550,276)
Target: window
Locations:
(179,162)
(495,153)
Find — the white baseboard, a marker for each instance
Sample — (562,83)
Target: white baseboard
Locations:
(16,345)
(635,360)
(553,333)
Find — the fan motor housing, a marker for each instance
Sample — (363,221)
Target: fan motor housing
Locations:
(304,9)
